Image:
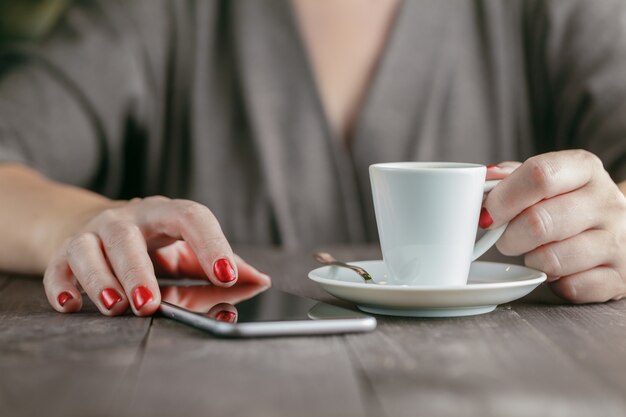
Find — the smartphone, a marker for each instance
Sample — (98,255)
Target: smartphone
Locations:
(246,310)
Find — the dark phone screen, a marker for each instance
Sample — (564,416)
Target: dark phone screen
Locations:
(245,303)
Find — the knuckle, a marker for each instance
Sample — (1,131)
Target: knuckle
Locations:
(567,290)
(542,173)
(538,223)
(109,215)
(615,244)
(77,244)
(498,200)
(118,233)
(91,278)
(133,273)
(504,245)
(157,199)
(190,211)
(211,243)
(549,261)
(591,158)
(616,202)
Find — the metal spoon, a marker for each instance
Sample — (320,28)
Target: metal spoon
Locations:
(328,259)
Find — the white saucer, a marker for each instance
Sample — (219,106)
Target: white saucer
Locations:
(489,284)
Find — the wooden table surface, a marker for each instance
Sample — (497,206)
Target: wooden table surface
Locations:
(523,359)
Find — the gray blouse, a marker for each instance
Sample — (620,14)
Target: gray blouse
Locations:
(215,101)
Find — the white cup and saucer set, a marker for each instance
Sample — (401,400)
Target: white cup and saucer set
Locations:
(427,216)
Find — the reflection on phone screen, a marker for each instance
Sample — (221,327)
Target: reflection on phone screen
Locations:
(244,303)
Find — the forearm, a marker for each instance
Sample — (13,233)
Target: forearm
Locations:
(36,215)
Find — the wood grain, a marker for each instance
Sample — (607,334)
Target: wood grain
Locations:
(593,336)
(304,376)
(202,375)
(523,359)
(73,365)
(492,365)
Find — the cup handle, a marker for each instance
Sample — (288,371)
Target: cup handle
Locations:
(492,236)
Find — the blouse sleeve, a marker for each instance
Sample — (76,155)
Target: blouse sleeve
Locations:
(585,57)
(67,104)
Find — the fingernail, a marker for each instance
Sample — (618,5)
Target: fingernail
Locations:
(141,296)
(493,166)
(110,297)
(485,219)
(224,271)
(64,297)
(226,315)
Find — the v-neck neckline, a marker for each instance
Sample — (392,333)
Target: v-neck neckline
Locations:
(343,145)
(318,188)
(310,179)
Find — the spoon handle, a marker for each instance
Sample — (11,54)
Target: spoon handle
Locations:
(327,259)
(362,272)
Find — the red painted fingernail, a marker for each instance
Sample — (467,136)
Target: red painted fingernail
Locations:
(493,166)
(141,296)
(224,271)
(485,219)
(226,315)
(64,297)
(110,297)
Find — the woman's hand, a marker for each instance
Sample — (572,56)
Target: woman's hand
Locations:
(114,257)
(568,218)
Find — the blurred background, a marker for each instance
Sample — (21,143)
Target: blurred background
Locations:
(22,20)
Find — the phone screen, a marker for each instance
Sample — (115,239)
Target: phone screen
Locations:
(246,303)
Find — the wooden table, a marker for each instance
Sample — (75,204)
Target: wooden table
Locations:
(523,359)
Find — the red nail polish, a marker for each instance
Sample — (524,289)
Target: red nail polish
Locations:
(226,315)
(485,219)
(141,296)
(224,271)
(110,297)
(493,166)
(64,297)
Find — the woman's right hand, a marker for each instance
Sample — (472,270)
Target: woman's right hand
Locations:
(114,255)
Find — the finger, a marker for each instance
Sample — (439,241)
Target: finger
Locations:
(87,262)
(178,260)
(195,224)
(551,220)
(594,286)
(249,274)
(576,254)
(540,177)
(502,170)
(60,286)
(126,251)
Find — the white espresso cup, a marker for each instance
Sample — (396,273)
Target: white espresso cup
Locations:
(427,216)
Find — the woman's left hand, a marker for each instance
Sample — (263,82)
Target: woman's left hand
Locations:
(567,217)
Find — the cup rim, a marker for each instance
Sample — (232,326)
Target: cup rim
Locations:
(426,166)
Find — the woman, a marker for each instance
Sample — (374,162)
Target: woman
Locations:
(264,117)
